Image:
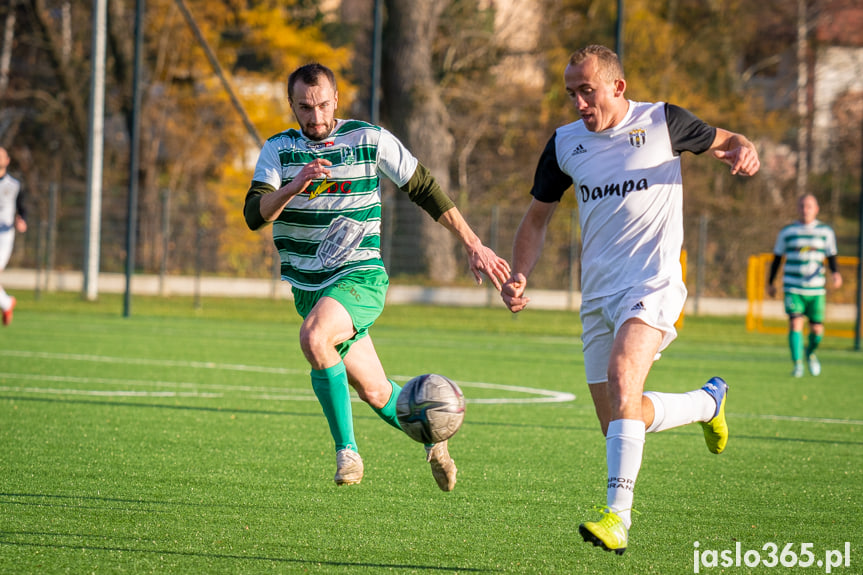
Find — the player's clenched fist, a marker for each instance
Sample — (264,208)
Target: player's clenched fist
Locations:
(512,292)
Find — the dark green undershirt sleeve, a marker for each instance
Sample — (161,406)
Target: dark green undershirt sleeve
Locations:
(831,262)
(424,191)
(774,268)
(252,207)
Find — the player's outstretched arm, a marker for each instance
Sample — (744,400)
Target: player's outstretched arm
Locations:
(527,247)
(736,151)
(482,259)
(424,191)
(774,269)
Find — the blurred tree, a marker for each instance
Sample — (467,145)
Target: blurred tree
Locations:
(471,86)
(412,105)
(259,45)
(193,142)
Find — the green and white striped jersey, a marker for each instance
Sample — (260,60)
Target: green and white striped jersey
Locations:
(333,227)
(805,246)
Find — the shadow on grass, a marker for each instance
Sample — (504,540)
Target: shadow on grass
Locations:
(68,501)
(7,538)
(158,406)
(476,423)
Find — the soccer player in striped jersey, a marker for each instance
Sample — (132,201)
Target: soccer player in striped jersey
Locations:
(320,188)
(623,159)
(804,245)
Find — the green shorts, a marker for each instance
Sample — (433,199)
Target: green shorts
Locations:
(361,293)
(809,306)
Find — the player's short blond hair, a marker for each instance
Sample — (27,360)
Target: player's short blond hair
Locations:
(610,67)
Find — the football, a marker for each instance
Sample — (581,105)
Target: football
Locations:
(430,408)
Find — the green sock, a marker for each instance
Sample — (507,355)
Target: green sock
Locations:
(814,340)
(388,412)
(795,342)
(331,388)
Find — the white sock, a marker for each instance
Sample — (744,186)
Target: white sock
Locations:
(5,300)
(676,409)
(624,447)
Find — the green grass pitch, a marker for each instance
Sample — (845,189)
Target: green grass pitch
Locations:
(184,440)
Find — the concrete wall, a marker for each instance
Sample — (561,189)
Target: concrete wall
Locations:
(484,296)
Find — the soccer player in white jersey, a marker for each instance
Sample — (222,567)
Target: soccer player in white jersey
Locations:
(11,220)
(623,159)
(320,188)
(805,244)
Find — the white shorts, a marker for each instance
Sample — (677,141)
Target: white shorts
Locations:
(657,303)
(7,239)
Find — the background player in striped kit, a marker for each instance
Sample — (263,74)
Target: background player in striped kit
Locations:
(623,158)
(320,188)
(12,219)
(805,244)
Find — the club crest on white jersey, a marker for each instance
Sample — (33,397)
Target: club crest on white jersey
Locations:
(637,137)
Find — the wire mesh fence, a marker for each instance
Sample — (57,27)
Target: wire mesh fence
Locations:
(185,243)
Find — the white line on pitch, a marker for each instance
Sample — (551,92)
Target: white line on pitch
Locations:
(105,393)
(140,382)
(798,418)
(549,396)
(267,393)
(546,396)
(159,362)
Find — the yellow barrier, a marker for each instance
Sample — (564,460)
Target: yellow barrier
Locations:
(679,323)
(758,271)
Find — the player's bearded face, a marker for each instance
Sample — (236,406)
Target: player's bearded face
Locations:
(315,107)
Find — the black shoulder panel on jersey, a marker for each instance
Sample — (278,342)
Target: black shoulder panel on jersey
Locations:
(688,133)
(549,181)
(20,206)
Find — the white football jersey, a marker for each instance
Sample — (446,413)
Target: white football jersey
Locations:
(628,184)
(9,201)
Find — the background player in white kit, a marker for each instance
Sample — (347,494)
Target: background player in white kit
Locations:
(11,220)
(623,158)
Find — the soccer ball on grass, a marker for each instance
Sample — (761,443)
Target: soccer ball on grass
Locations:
(430,408)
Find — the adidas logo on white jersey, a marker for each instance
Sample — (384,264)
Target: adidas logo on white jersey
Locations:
(638,307)
(579,150)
